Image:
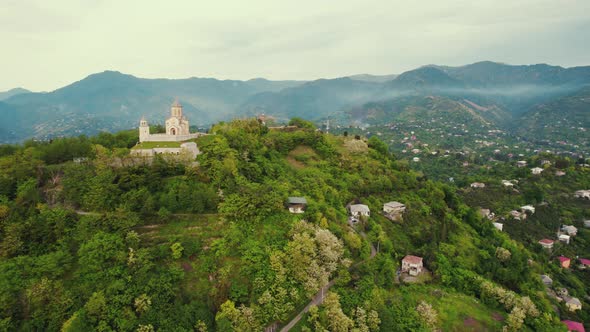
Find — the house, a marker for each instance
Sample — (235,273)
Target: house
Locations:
(521,163)
(296,204)
(547,281)
(584,263)
(573,326)
(393,210)
(499,226)
(518,215)
(582,194)
(573,303)
(570,230)
(564,262)
(486,213)
(564,238)
(528,208)
(358,210)
(412,265)
(559,173)
(415,159)
(478,185)
(587,223)
(507,183)
(545,162)
(536,170)
(546,243)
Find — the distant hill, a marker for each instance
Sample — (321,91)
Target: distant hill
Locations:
(111,101)
(412,108)
(12,92)
(563,119)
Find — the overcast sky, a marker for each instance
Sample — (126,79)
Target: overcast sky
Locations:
(49,44)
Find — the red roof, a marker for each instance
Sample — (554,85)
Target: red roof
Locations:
(585,261)
(412,259)
(563,259)
(573,326)
(546,241)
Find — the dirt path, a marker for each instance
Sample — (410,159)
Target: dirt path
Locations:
(319,297)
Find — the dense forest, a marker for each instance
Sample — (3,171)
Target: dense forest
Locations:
(93,239)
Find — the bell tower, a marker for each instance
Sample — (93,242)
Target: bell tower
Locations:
(176,110)
(144,130)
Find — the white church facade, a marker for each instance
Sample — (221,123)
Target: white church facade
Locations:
(173,142)
(177,128)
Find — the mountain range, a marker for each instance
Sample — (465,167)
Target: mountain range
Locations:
(111,101)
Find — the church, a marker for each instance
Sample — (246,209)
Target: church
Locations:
(177,128)
(173,142)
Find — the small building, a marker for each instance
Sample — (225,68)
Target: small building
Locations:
(569,230)
(564,238)
(517,215)
(478,185)
(537,170)
(573,326)
(499,226)
(507,183)
(393,210)
(521,163)
(486,213)
(415,159)
(528,208)
(584,263)
(564,262)
(573,304)
(547,281)
(546,243)
(545,162)
(296,204)
(559,173)
(587,223)
(358,210)
(412,265)
(582,194)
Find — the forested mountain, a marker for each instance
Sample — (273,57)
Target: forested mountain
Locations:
(563,119)
(111,101)
(114,242)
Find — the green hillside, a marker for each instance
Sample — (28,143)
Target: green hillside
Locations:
(108,244)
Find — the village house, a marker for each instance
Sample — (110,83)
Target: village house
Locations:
(296,204)
(573,303)
(570,230)
(536,170)
(478,185)
(573,326)
(559,173)
(517,215)
(412,265)
(393,210)
(486,213)
(564,262)
(415,159)
(546,243)
(545,162)
(507,183)
(499,226)
(564,238)
(547,281)
(359,210)
(584,263)
(528,208)
(521,163)
(587,223)
(582,194)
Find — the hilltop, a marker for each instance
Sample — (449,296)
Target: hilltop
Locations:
(91,243)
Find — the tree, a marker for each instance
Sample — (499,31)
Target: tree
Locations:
(142,303)
(427,314)
(177,250)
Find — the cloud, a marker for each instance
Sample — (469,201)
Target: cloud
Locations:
(50,44)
